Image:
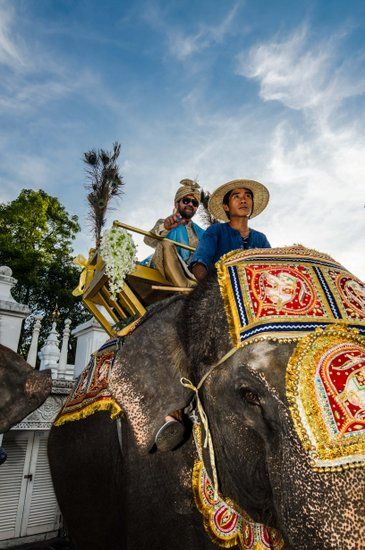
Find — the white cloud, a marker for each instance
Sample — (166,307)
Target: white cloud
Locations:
(19,93)
(183,45)
(30,75)
(315,162)
(302,74)
(312,159)
(10,53)
(314,175)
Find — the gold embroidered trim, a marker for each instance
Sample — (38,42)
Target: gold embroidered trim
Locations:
(228,300)
(328,452)
(225,523)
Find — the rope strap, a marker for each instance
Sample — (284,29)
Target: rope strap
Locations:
(208,441)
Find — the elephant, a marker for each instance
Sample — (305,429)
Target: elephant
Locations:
(116,491)
(22,389)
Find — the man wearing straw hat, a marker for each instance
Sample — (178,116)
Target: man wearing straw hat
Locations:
(172,261)
(234,203)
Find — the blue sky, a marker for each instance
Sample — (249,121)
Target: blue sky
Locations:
(217,90)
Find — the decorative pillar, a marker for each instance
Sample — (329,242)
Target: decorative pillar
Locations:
(90,336)
(32,353)
(50,353)
(12,314)
(62,365)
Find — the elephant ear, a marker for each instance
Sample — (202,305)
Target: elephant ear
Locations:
(202,325)
(145,378)
(22,389)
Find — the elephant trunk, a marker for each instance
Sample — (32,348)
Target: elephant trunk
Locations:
(38,385)
(320,510)
(22,389)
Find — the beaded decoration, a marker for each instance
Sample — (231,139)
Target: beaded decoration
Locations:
(325,383)
(226,524)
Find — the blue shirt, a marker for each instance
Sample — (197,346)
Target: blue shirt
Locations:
(221,238)
(180,235)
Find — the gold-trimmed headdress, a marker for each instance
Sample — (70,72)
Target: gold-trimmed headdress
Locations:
(188,187)
(297,294)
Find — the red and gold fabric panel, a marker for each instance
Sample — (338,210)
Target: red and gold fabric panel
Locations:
(285,293)
(91,392)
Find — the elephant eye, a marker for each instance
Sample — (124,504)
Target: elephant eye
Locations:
(250,396)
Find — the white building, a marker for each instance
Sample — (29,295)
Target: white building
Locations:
(28,506)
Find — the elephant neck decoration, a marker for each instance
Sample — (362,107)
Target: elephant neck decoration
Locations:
(225,522)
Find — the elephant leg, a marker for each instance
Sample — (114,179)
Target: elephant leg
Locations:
(86,466)
(113,500)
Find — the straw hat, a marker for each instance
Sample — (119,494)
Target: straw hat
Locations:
(260,193)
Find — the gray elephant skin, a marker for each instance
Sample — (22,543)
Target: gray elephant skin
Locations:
(138,498)
(22,389)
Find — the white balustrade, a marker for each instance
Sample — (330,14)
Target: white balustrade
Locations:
(62,364)
(32,353)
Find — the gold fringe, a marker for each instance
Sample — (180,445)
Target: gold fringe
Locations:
(101,405)
(294,251)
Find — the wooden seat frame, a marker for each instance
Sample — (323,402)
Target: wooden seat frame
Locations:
(144,286)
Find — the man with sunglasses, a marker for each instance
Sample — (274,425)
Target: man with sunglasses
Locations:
(170,260)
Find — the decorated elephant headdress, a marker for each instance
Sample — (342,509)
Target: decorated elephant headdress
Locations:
(296,294)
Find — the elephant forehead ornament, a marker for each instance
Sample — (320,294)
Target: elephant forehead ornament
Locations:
(296,294)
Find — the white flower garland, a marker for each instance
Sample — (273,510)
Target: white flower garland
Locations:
(119,254)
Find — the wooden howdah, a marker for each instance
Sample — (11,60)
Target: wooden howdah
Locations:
(143,287)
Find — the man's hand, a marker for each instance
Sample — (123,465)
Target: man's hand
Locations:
(173,221)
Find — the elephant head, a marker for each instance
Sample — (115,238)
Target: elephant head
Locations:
(262,464)
(22,389)
(261,461)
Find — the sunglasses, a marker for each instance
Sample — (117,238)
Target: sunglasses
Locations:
(194,202)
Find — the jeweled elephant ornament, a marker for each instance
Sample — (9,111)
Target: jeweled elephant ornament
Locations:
(274,445)
(22,389)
